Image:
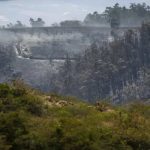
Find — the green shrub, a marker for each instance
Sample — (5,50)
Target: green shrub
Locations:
(31,103)
(18,92)
(3,144)
(12,125)
(4,90)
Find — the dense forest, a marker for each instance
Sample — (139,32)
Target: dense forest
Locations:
(117,70)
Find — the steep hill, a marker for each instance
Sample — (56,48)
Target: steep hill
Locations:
(31,120)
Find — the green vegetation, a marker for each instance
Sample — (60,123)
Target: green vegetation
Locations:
(30,120)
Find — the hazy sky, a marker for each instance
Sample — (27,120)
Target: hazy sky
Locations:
(54,10)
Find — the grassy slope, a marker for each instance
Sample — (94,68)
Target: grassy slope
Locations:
(30,120)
